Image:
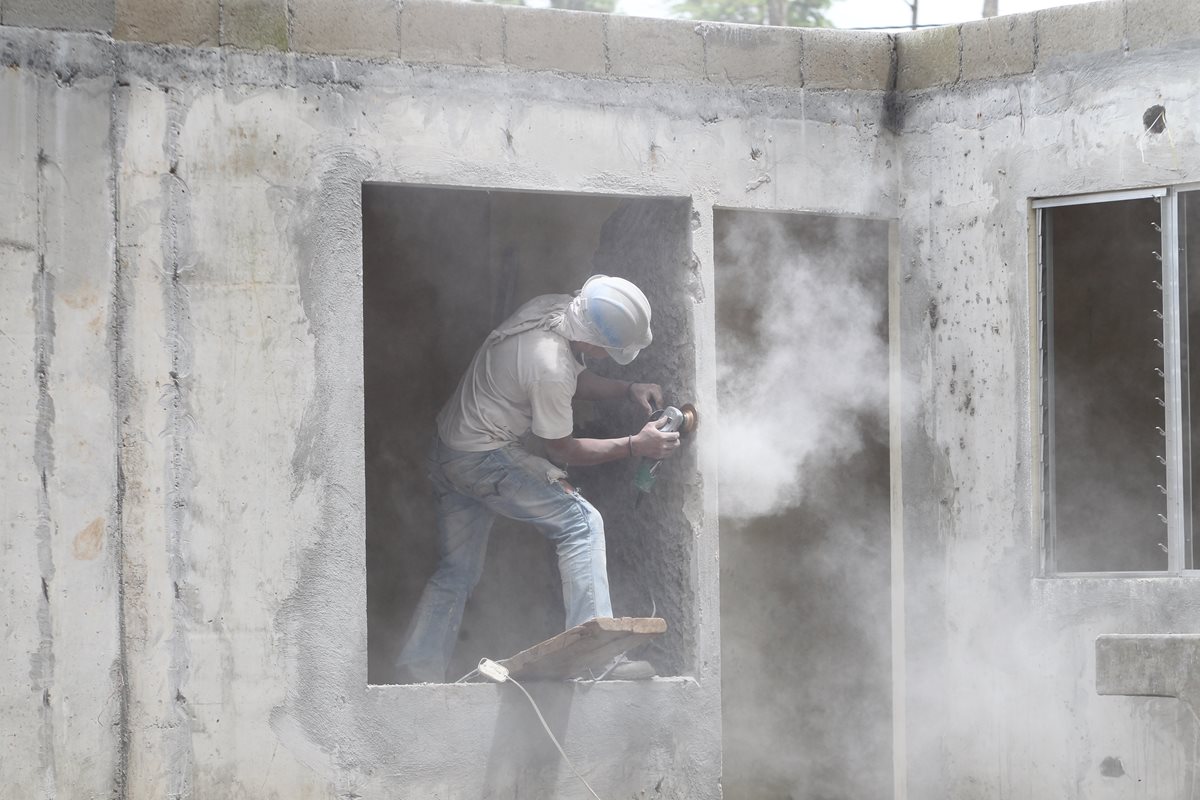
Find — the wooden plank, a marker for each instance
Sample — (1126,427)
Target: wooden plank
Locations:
(590,646)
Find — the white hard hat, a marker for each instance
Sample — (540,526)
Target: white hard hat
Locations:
(620,313)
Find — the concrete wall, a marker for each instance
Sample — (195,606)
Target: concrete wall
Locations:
(1000,664)
(182,385)
(184,526)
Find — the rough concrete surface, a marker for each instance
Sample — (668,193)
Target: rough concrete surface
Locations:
(971,159)
(930,57)
(1155,23)
(1166,665)
(182,388)
(1072,30)
(998,47)
(568,42)
(345,27)
(751,54)
(846,60)
(234,378)
(194,23)
(76,15)
(450,32)
(654,48)
(255,24)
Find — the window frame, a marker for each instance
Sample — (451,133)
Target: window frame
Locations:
(1180,556)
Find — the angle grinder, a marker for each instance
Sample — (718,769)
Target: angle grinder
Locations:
(683,419)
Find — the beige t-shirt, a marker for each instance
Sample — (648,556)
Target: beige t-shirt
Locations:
(521,383)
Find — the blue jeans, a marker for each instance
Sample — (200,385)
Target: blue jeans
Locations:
(470,489)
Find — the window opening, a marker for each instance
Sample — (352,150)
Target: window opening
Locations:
(441,267)
(1119,296)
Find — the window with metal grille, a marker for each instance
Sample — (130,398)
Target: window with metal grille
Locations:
(1118,294)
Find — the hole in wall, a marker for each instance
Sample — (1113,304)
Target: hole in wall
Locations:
(1155,119)
(801,305)
(442,267)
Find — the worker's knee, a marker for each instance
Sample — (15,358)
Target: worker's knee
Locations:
(586,524)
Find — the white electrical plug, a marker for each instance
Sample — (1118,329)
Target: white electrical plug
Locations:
(493,671)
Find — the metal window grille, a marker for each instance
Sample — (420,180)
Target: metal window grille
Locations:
(1175,457)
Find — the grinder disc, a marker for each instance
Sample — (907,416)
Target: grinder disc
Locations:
(691,418)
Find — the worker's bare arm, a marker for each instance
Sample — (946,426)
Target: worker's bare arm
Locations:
(649,442)
(590,386)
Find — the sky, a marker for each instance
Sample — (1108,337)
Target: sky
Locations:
(877,13)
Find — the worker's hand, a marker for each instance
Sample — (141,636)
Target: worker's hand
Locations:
(653,443)
(647,395)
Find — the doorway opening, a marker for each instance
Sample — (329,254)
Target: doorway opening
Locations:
(803,484)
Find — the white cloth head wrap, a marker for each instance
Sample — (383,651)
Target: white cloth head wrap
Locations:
(560,313)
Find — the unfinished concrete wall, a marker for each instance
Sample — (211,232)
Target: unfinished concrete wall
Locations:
(999,661)
(183,387)
(183,378)
(62,566)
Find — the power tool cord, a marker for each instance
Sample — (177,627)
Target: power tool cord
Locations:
(550,733)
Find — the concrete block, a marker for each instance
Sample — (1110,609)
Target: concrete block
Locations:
(71,15)
(255,24)
(1089,28)
(1157,23)
(654,48)
(846,59)
(752,54)
(452,32)
(998,47)
(929,57)
(195,23)
(1161,665)
(346,27)
(566,41)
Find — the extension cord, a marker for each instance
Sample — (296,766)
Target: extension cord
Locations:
(494,671)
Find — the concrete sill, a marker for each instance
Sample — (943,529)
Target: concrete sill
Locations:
(671,681)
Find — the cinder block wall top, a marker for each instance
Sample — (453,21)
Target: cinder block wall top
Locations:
(487,35)
(1018,44)
(511,37)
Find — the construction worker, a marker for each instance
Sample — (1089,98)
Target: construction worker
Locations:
(521,381)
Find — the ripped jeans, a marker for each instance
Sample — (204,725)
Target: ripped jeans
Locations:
(470,489)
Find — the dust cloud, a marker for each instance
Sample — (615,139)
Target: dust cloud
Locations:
(804,501)
(803,357)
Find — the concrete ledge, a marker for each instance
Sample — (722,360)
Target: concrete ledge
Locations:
(928,58)
(255,24)
(69,15)
(997,47)
(346,27)
(1071,30)
(450,32)
(1166,665)
(1156,23)
(655,48)
(833,59)
(564,41)
(752,54)
(194,23)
